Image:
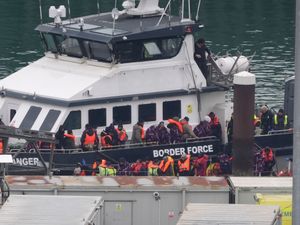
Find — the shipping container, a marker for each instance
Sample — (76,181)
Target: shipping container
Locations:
(131,200)
(52,210)
(284,201)
(243,189)
(242,214)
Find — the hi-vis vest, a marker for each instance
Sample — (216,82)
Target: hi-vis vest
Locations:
(285,121)
(152,169)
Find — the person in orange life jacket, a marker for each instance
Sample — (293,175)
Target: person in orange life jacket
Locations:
(187,129)
(184,165)
(200,165)
(215,125)
(176,130)
(281,121)
(122,135)
(89,138)
(95,168)
(153,166)
(138,133)
(166,166)
(137,168)
(106,140)
(69,140)
(111,130)
(1,146)
(59,137)
(268,161)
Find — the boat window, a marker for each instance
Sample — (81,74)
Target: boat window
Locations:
(147,112)
(122,114)
(50,43)
(98,51)
(97,117)
(73,121)
(171,109)
(50,120)
(151,49)
(30,117)
(69,46)
(12,114)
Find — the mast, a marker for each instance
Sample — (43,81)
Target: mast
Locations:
(296,147)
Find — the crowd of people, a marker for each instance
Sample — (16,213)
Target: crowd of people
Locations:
(186,165)
(176,131)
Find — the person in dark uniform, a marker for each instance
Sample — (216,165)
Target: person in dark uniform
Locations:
(266,119)
(200,56)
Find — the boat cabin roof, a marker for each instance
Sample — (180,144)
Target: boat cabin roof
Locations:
(101,27)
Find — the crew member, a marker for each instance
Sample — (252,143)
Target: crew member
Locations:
(110,170)
(200,56)
(166,166)
(281,121)
(266,119)
(102,168)
(184,165)
(153,168)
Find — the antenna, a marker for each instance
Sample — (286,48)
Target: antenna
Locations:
(41,13)
(98,7)
(164,12)
(115,15)
(69,10)
(182,9)
(189,5)
(198,8)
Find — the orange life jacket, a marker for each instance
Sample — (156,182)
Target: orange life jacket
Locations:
(1,146)
(215,121)
(94,167)
(121,134)
(89,139)
(82,173)
(267,157)
(177,123)
(186,165)
(164,166)
(71,136)
(143,133)
(104,144)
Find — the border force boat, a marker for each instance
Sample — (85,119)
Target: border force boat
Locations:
(117,67)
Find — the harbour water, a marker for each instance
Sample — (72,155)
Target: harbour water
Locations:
(263,29)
